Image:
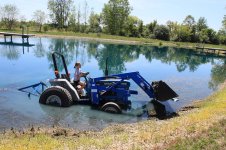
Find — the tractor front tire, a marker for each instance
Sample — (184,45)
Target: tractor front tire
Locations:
(111,107)
(56,96)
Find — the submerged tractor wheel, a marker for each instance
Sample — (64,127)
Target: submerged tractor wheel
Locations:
(56,96)
(111,107)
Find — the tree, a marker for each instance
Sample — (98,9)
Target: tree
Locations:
(152,26)
(203,36)
(78,19)
(9,15)
(209,36)
(94,22)
(224,22)
(39,17)
(60,12)
(201,24)
(173,29)
(132,26)
(115,13)
(1,11)
(162,32)
(141,28)
(72,20)
(213,37)
(85,14)
(222,36)
(189,21)
(184,34)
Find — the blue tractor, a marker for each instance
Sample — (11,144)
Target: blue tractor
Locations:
(109,93)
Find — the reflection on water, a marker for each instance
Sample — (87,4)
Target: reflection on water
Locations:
(192,75)
(218,74)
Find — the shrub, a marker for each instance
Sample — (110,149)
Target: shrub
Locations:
(45,28)
(162,32)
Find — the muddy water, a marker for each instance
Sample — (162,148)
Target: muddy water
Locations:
(192,75)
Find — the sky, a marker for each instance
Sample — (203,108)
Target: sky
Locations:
(146,10)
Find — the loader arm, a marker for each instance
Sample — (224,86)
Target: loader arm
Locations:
(158,90)
(139,80)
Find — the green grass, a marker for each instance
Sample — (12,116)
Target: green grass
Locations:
(118,39)
(213,139)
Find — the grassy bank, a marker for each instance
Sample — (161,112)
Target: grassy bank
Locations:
(204,123)
(117,39)
(212,138)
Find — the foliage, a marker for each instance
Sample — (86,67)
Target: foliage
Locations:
(78,29)
(60,11)
(72,20)
(201,24)
(173,29)
(189,21)
(132,26)
(184,34)
(224,22)
(94,22)
(45,28)
(115,14)
(222,39)
(162,32)
(9,14)
(203,36)
(39,18)
(85,15)
(209,36)
(141,28)
(151,26)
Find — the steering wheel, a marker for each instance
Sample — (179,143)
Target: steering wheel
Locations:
(85,77)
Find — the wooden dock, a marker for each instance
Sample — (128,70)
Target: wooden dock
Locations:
(23,36)
(212,50)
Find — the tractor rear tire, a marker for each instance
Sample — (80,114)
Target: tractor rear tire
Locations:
(111,107)
(56,96)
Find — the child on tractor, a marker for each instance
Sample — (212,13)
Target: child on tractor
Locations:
(78,74)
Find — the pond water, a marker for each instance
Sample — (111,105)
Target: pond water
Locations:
(192,75)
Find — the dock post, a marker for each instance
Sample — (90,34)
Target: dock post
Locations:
(23,49)
(11,39)
(5,38)
(22,30)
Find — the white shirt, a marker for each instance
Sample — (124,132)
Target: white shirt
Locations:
(77,74)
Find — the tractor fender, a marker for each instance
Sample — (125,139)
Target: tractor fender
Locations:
(58,95)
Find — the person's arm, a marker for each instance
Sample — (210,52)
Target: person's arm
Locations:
(84,74)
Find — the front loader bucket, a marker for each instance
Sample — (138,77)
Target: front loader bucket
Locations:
(162,91)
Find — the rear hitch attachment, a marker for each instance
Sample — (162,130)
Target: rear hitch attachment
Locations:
(34,89)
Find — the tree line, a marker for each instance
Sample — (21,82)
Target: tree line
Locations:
(115,19)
